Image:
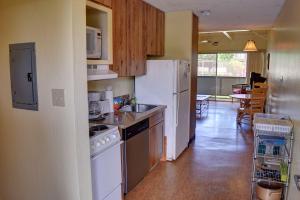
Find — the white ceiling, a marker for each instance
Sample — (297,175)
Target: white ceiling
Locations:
(227,14)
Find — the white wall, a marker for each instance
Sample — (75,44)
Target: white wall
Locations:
(80,99)
(236,44)
(284,76)
(121,86)
(178,35)
(44,155)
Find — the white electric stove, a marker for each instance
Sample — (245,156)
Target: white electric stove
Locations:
(105,148)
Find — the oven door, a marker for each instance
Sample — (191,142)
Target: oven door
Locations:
(106,173)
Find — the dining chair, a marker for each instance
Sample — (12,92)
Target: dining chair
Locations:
(239,89)
(260,85)
(256,91)
(261,92)
(256,105)
(244,103)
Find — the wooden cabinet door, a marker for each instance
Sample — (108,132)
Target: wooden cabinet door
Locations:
(107,3)
(150,29)
(154,26)
(160,31)
(160,140)
(120,37)
(156,135)
(128,42)
(136,56)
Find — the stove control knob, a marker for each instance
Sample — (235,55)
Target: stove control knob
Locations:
(114,136)
(97,144)
(103,142)
(107,139)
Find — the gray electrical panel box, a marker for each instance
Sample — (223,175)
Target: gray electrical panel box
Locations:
(23,76)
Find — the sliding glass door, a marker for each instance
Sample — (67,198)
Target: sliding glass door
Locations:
(217,72)
(207,74)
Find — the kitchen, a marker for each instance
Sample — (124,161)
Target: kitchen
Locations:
(54,112)
(45,149)
(151,112)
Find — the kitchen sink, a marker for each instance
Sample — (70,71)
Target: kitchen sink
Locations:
(138,108)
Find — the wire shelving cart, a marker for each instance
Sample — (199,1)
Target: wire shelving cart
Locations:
(273,146)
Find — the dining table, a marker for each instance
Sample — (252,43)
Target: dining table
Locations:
(202,105)
(243,98)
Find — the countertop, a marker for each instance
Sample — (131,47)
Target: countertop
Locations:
(126,119)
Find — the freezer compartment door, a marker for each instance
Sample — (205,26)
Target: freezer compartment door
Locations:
(182,121)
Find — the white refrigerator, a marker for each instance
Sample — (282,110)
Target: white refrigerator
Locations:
(167,82)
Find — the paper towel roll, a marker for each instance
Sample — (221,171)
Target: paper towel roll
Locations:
(110,96)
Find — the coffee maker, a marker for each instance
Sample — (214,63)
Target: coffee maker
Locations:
(100,103)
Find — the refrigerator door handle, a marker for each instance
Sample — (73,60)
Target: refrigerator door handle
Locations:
(177,109)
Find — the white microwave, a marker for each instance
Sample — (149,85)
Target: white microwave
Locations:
(93,43)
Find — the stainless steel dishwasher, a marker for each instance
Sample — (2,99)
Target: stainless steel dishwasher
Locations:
(135,154)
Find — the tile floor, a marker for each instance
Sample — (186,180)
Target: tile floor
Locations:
(216,166)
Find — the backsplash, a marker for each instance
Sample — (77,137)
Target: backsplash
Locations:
(121,86)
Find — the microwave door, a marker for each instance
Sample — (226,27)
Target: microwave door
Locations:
(90,43)
(99,44)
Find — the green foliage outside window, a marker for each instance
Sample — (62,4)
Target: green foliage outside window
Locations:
(222,64)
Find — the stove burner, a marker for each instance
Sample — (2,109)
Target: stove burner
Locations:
(95,118)
(95,129)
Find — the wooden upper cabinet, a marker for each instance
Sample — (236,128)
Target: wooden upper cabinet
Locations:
(136,39)
(107,3)
(160,33)
(154,26)
(139,30)
(150,28)
(120,37)
(129,51)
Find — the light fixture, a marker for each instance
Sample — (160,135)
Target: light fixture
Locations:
(228,31)
(205,12)
(250,46)
(204,41)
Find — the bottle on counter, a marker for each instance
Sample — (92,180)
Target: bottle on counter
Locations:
(110,96)
(133,101)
